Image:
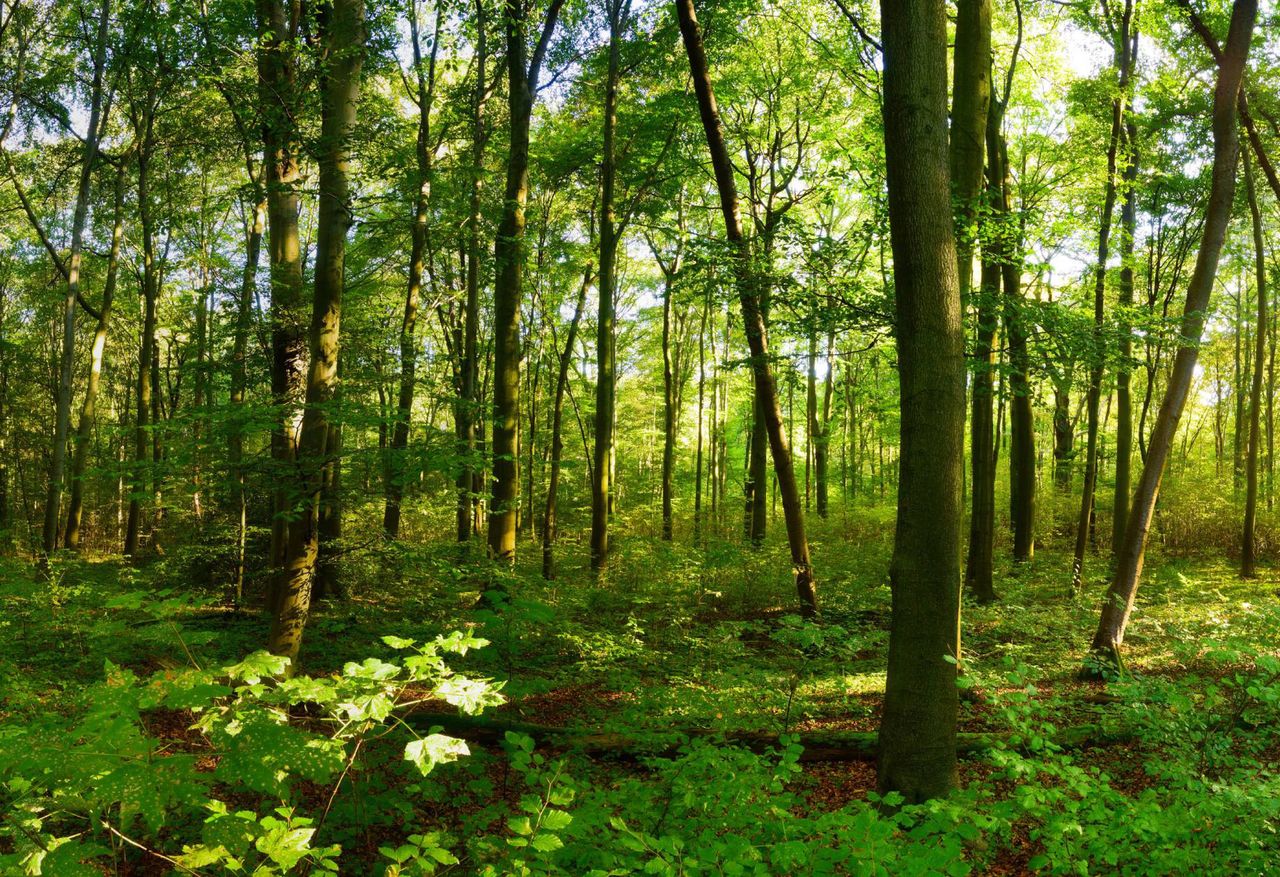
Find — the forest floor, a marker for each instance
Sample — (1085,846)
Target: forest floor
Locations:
(709,643)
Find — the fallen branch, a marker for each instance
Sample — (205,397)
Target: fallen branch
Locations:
(818,745)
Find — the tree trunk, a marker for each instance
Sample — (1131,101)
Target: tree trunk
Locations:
(509,286)
(395,471)
(469,484)
(606,383)
(1124,62)
(62,417)
(240,378)
(147,354)
(1118,603)
(557,440)
(1022,430)
(918,724)
(278,28)
(753,321)
(702,382)
(89,409)
(1124,401)
(1248,558)
(971,101)
(344,35)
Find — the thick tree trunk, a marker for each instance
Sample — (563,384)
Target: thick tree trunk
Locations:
(278,103)
(1124,401)
(344,35)
(917,755)
(1118,603)
(1248,552)
(97,359)
(62,414)
(753,320)
(509,287)
(557,439)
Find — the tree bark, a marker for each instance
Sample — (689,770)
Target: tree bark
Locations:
(396,470)
(522,83)
(971,100)
(254,230)
(62,417)
(469,482)
(143,447)
(606,379)
(1118,603)
(97,358)
(278,102)
(1124,63)
(344,35)
(1124,400)
(917,755)
(1248,552)
(557,439)
(748,295)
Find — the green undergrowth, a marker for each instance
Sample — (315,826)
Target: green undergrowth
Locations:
(142,732)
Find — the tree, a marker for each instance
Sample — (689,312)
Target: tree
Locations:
(1125,48)
(344,36)
(617,12)
(278,99)
(99,102)
(971,100)
(748,285)
(97,354)
(918,724)
(1248,550)
(1118,602)
(424,98)
(523,71)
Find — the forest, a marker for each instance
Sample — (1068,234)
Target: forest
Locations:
(608,437)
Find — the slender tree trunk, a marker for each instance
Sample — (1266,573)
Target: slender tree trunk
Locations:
(702,381)
(1124,62)
(606,382)
(1124,401)
(748,296)
(668,412)
(344,38)
(89,408)
(509,287)
(1022,430)
(557,439)
(469,484)
(1118,603)
(240,378)
(1248,557)
(918,724)
(147,354)
(971,100)
(396,469)
(62,417)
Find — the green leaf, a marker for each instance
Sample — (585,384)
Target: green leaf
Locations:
(544,842)
(434,749)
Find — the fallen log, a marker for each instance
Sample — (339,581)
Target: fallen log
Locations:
(818,745)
